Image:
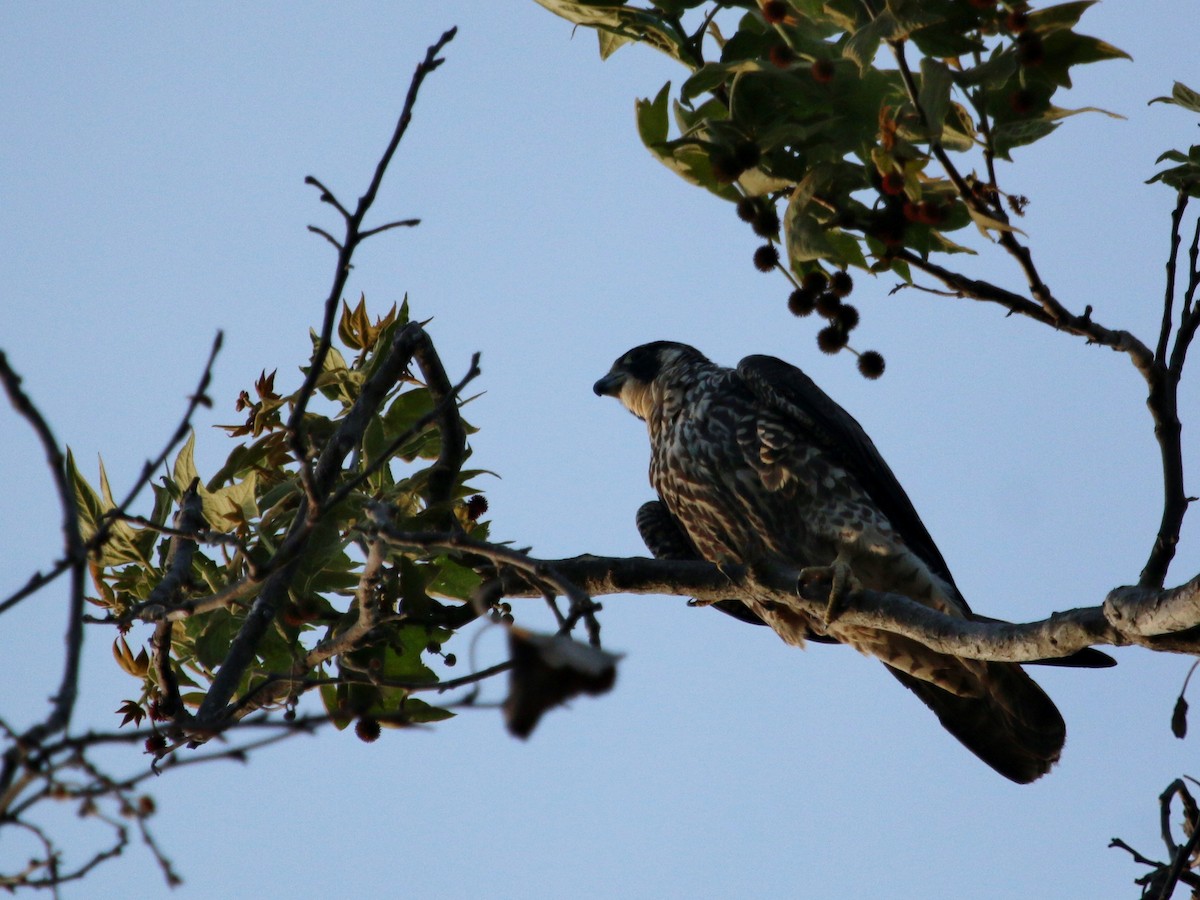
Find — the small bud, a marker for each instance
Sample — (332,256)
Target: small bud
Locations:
(747,209)
(766,258)
(1017,21)
(1179,718)
(822,71)
(871,364)
(450,660)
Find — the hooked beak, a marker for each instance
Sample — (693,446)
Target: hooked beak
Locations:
(609,385)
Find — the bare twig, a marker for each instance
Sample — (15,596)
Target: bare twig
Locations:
(403,223)
(75,557)
(349,244)
(1164,333)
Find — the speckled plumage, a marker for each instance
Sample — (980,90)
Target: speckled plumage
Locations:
(757,464)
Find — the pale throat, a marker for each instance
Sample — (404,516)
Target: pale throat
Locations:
(638,398)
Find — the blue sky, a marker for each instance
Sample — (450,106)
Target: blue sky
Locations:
(151,192)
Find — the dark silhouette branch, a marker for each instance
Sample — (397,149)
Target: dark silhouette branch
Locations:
(75,558)
(354,236)
(120,511)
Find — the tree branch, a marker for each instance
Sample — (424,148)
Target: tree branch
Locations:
(74,557)
(354,236)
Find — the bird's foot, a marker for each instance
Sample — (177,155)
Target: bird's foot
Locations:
(843,583)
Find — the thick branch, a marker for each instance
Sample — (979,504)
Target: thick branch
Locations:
(1125,618)
(348,435)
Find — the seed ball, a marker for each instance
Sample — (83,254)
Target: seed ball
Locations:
(747,154)
(156,743)
(801,302)
(725,168)
(828,304)
(781,56)
(871,364)
(831,339)
(847,317)
(766,223)
(477,505)
(766,258)
(841,283)
(814,281)
(1030,51)
(892,183)
(775,11)
(368,730)
(1017,21)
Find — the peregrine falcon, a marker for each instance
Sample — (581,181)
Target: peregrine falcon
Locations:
(756,464)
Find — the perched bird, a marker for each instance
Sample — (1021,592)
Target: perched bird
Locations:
(756,464)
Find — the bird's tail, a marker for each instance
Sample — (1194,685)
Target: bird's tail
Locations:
(1009,723)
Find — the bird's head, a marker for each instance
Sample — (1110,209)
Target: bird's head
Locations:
(635,375)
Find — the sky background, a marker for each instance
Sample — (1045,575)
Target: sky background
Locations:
(151,193)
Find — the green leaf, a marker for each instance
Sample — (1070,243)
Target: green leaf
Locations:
(184,470)
(1007,135)
(232,506)
(212,646)
(419,712)
(1064,49)
(1064,15)
(332,696)
(712,75)
(652,118)
(1181,95)
(123,544)
(455,581)
(323,554)
(934,95)
(610,42)
(864,43)
(644,26)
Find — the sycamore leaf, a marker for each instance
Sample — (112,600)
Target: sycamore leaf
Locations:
(1182,95)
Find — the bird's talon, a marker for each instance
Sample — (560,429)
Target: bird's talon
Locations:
(842,583)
